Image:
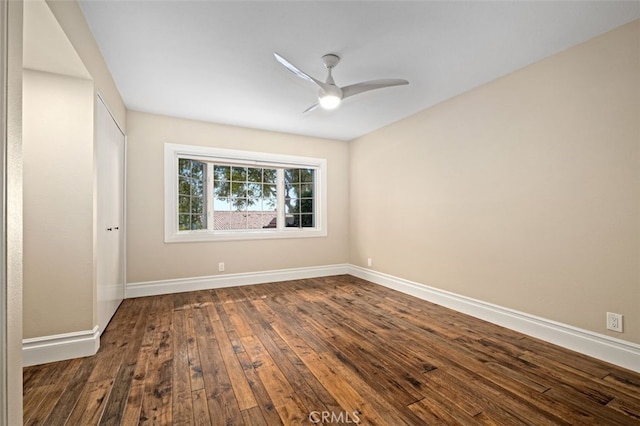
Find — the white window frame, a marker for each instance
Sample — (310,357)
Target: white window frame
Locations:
(174,152)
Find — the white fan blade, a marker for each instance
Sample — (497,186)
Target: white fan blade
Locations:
(311,108)
(354,89)
(288,65)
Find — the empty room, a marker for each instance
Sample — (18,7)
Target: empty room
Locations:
(320,212)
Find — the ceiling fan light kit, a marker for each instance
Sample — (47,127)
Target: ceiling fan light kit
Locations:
(330,95)
(329,101)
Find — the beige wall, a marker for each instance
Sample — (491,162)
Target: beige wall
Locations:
(149,258)
(524,192)
(58,204)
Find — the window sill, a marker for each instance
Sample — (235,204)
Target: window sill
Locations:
(205,236)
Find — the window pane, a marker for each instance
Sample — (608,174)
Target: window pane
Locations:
(306,205)
(221,189)
(239,204)
(239,174)
(307,221)
(254,204)
(269,191)
(197,188)
(269,176)
(198,222)
(306,175)
(255,220)
(289,220)
(254,175)
(197,205)
(184,167)
(221,173)
(183,204)
(254,190)
(292,175)
(197,170)
(184,186)
(238,189)
(220,203)
(306,191)
(270,204)
(221,220)
(292,206)
(184,222)
(269,220)
(292,191)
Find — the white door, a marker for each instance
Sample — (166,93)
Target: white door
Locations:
(110,149)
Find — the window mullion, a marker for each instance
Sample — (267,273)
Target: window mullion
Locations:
(280,194)
(209,197)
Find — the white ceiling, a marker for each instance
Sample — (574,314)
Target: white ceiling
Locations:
(213,60)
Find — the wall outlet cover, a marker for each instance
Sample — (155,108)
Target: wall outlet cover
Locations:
(614,322)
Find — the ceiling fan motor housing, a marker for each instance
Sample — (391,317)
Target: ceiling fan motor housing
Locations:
(330,60)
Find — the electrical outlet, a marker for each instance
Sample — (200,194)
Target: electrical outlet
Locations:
(369,261)
(614,322)
(221,267)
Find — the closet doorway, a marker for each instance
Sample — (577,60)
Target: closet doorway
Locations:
(110,157)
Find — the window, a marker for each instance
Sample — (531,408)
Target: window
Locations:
(218,194)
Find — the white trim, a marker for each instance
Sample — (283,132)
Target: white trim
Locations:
(616,351)
(153,288)
(4,69)
(106,105)
(58,347)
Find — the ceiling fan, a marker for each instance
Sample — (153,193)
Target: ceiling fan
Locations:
(329,94)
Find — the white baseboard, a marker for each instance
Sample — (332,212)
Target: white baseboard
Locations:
(609,349)
(58,347)
(153,288)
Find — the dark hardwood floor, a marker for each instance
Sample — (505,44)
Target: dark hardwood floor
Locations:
(334,350)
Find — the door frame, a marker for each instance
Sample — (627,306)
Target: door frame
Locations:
(11,18)
(3,240)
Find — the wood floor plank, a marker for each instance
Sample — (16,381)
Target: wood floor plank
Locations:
(182,406)
(274,354)
(242,328)
(265,404)
(34,404)
(133,407)
(131,342)
(193,355)
(68,399)
(90,407)
(238,380)
(156,402)
(223,407)
(286,402)
(626,406)
(253,416)
(200,408)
